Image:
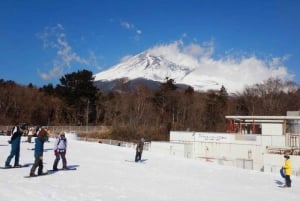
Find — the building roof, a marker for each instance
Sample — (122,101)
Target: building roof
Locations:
(263,117)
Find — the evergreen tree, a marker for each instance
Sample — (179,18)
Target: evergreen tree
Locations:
(79,94)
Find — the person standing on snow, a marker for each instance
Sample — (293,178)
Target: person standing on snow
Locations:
(30,134)
(60,149)
(139,150)
(38,153)
(287,171)
(15,142)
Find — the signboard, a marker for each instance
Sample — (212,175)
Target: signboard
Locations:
(211,137)
(245,138)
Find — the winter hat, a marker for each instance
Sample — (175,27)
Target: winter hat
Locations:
(62,134)
(286,156)
(24,126)
(41,134)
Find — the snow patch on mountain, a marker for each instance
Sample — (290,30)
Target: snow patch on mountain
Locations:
(201,71)
(157,68)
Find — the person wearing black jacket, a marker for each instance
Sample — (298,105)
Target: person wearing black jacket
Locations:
(139,150)
(15,142)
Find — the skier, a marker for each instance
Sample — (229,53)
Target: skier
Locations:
(287,171)
(38,153)
(15,142)
(60,149)
(139,150)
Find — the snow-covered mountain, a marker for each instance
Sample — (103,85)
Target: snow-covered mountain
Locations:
(149,68)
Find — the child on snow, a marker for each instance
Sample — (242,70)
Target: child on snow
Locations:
(38,153)
(60,149)
(287,171)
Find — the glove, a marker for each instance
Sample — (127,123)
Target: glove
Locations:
(56,152)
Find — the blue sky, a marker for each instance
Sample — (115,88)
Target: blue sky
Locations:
(42,40)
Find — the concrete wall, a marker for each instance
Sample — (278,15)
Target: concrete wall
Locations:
(271,129)
(182,136)
(184,150)
(273,140)
(244,151)
(230,153)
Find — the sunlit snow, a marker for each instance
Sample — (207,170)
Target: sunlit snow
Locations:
(108,173)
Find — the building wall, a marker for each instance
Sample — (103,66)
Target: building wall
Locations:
(167,148)
(244,151)
(293,113)
(180,136)
(184,150)
(273,141)
(271,129)
(230,153)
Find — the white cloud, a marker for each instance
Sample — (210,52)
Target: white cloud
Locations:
(206,50)
(234,72)
(93,60)
(125,58)
(54,72)
(127,25)
(55,38)
(130,26)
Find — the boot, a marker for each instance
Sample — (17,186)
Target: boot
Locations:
(32,174)
(8,166)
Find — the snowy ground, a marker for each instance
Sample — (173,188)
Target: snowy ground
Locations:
(107,173)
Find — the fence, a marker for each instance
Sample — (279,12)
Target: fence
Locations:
(4,130)
(115,142)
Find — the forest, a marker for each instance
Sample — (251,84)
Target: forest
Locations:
(131,114)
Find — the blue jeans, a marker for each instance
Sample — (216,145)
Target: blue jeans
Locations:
(15,152)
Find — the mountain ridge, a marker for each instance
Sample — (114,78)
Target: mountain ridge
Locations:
(154,68)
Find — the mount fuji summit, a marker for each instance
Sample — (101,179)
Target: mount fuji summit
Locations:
(152,70)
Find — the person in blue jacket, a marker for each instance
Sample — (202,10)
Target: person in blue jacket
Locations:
(15,142)
(38,153)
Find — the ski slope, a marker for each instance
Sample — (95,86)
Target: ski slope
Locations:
(108,173)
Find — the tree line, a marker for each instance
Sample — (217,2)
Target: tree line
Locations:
(142,112)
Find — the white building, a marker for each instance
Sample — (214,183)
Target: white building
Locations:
(251,142)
